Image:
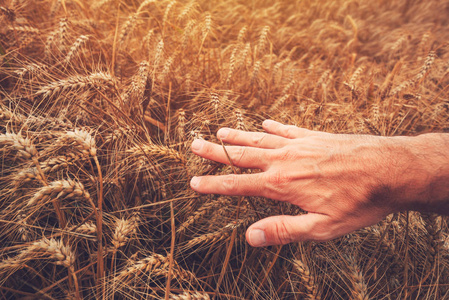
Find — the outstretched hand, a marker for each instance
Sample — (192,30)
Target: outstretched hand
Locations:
(344,182)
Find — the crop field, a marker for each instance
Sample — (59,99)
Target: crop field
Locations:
(100,101)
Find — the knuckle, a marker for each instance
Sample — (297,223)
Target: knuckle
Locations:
(277,181)
(257,139)
(274,178)
(285,154)
(288,130)
(230,182)
(237,155)
(282,232)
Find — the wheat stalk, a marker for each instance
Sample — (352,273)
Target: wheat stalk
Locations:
(242,34)
(239,120)
(188,10)
(23,230)
(278,103)
(139,81)
(256,70)
(207,25)
(144,4)
(354,77)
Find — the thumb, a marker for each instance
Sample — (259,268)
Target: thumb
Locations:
(280,230)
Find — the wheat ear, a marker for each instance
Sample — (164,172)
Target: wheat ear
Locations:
(202,211)
(239,119)
(152,150)
(25,149)
(98,80)
(167,12)
(53,248)
(74,49)
(187,33)
(154,265)
(123,229)
(219,235)
(60,189)
(33,69)
(127,28)
(308,280)
(256,70)
(187,11)
(359,287)
(263,39)
(242,34)
(83,140)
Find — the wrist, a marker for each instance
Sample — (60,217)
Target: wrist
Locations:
(419,177)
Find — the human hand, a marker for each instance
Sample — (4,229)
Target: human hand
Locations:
(344,182)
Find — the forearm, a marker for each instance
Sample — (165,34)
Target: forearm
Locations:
(423,180)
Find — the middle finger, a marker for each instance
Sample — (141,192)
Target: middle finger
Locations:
(245,157)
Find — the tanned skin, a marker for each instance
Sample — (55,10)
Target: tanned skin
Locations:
(344,182)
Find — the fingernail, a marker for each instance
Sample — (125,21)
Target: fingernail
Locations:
(197,144)
(257,238)
(223,133)
(195,181)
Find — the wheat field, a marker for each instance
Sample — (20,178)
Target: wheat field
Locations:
(100,101)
